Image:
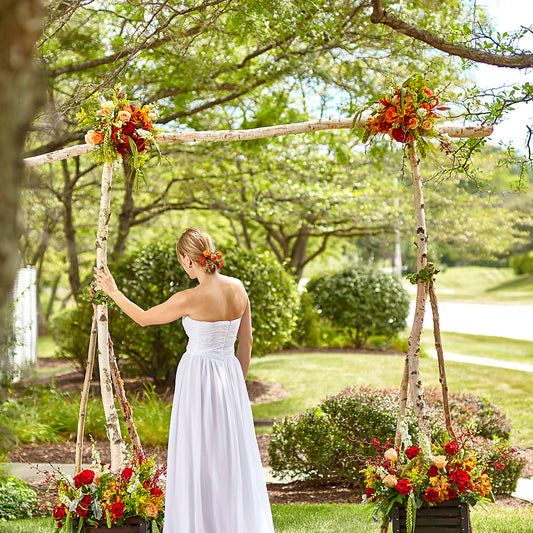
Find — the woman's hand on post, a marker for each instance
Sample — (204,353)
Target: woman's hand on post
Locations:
(104,280)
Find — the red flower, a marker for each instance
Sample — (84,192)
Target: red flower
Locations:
(399,135)
(461,478)
(452,494)
(117,510)
(59,512)
(412,452)
(433,471)
(126,474)
(428,91)
(404,487)
(369,493)
(202,260)
(499,466)
(156,491)
(128,128)
(85,477)
(451,447)
(431,495)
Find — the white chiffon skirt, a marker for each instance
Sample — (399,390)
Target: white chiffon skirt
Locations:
(215,481)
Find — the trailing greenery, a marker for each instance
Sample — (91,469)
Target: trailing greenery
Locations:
(362,302)
(333,440)
(17,500)
(151,275)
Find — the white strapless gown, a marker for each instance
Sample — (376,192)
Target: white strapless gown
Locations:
(215,481)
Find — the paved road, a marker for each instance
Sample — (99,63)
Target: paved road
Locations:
(512,321)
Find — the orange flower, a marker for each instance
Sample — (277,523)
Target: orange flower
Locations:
(106,108)
(124,115)
(426,124)
(413,123)
(151,510)
(93,137)
(390,114)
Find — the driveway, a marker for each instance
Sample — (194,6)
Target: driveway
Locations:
(512,321)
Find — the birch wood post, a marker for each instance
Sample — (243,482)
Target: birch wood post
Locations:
(440,357)
(106,387)
(384,526)
(413,352)
(123,402)
(403,403)
(85,393)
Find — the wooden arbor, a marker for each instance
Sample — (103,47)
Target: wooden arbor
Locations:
(100,339)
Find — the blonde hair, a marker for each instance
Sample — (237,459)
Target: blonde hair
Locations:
(193,243)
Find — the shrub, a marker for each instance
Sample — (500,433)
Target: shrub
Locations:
(362,302)
(151,275)
(333,441)
(522,263)
(17,500)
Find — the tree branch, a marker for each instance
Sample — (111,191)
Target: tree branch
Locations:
(381,16)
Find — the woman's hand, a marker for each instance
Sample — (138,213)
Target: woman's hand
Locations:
(104,280)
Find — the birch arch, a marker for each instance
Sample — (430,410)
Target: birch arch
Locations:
(100,340)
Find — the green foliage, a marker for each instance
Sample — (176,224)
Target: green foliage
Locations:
(522,263)
(151,275)
(17,500)
(362,302)
(333,440)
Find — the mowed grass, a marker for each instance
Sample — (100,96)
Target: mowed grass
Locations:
(339,518)
(311,377)
(483,285)
(519,351)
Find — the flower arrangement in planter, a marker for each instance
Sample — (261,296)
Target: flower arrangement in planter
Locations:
(425,475)
(119,129)
(408,113)
(96,497)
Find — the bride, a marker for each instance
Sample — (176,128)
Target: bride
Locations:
(215,481)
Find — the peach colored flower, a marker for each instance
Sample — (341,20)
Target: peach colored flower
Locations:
(106,108)
(124,115)
(93,137)
(390,481)
(391,454)
(439,461)
(426,124)
(395,99)
(151,510)
(413,123)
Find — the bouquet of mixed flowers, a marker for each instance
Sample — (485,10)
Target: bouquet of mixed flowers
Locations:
(408,113)
(428,474)
(119,129)
(96,494)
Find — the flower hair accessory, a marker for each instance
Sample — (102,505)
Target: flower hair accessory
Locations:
(214,257)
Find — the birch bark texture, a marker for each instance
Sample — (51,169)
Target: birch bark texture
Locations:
(106,384)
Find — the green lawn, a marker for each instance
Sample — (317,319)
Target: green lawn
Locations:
(338,518)
(483,285)
(519,351)
(310,377)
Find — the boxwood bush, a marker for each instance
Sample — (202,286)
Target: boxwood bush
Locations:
(361,302)
(151,275)
(332,441)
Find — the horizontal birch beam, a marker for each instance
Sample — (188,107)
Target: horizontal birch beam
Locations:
(251,134)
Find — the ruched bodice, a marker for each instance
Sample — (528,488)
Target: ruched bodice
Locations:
(211,339)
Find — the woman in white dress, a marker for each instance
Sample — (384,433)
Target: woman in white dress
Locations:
(215,481)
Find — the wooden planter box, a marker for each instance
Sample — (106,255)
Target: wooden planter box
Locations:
(132,525)
(451,516)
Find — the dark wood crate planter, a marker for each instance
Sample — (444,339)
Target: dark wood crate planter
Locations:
(451,516)
(131,525)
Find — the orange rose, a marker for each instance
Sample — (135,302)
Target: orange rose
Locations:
(151,510)
(413,123)
(93,137)
(390,114)
(439,461)
(106,108)
(124,115)
(426,124)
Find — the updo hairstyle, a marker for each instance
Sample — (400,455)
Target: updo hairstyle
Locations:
(193,243)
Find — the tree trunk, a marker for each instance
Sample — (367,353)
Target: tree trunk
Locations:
(112,422)
(20,96)
(413,353)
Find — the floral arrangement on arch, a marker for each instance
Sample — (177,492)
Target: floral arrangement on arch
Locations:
(429,474)
(97,495)
(120,129)
(408,113)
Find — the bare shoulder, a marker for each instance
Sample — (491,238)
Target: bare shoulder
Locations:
(233,282)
